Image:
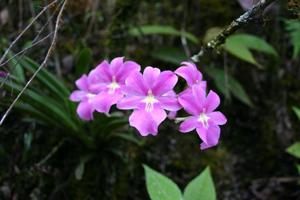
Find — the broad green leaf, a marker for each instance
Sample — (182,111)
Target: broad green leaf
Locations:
(293,27)
(231,86)
(160,187)
(169,54)
(240,45)
(83,62)
(294,149)
(297,111)
(164,30)
(201,187)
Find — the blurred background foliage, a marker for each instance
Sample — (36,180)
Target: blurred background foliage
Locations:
(46,152)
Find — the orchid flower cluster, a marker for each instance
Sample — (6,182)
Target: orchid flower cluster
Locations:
(150,94)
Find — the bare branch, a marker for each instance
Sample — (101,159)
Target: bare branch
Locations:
(50,50)
(26,28)
(233,27)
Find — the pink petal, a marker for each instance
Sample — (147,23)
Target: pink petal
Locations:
(190,73)
(187,101)
(103,101)
(100,74)
(213,135)
(172,115)
(212,101)
(127,68)
(115,65)
(217,117)
(188,125)
(147,122)
(200,95)
(85,110)
(203,133)
(165,83)
(169,103)
(78,95)
(150,76)
(82,83)
(135,85)
(130,102)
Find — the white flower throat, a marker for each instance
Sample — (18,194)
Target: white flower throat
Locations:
(150,100)
(203,118)
(113,86)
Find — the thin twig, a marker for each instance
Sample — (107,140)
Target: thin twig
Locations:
(50,50)
(26,28)
(234,26)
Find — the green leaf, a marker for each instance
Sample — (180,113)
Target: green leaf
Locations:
(163,30)
(160,187)
(79,171)
(84,60)
(16,69)
(231,86)
(293,28)
(201,187)
(27,141)
(240,45)
(297,111)
(169,54)
(298,169)
(294,150)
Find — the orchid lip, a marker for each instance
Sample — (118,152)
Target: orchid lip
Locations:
(203,118)
(113,86)
(150,100)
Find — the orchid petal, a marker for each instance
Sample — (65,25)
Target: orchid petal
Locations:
(147,122)
(100,74)
(82,83)
(130,102)
(127,68)
(78,95)
(150,76)
(85,110)
(217,117)
(212,101)
(187,101)
(188,125)
(116,65)
(135,85)
(190,73)
(213,135)
(103,101)
(165,83)
(169,103)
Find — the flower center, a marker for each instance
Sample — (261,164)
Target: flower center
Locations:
(90,96)
(113,86)
(203,118)
(150,100)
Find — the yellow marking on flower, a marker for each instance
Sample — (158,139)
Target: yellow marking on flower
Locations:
(203,118)
(113,86)
(150,100)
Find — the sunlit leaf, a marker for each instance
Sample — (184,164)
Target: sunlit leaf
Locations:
(297,111)
(293,27)
(201,188)
(160,187)
(294,149)
(160,29)
(240,45)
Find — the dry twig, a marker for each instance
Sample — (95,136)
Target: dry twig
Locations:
(50,50)
(234,26)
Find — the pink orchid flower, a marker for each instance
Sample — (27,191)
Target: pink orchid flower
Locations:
(102,87)
(149,94)
(191,74)
(204,119)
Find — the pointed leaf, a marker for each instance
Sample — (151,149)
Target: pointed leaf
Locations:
(201,187)
(294,150)
(297,111)
(161,187)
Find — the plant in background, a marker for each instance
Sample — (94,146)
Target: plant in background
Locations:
(160,187)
